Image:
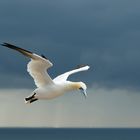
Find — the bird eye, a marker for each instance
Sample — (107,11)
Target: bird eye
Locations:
(81,88)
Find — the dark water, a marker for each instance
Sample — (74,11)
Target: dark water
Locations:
(68,134)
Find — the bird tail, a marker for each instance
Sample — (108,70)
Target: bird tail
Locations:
(26,102)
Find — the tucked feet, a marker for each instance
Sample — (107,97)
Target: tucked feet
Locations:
(31,99)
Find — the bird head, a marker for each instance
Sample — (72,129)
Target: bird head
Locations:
(82,88)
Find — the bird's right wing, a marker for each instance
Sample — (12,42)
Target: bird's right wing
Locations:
(37,67)
(63,77)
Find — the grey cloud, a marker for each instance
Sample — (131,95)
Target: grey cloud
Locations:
(102,108)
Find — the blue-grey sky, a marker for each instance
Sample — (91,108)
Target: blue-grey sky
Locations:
(102,33)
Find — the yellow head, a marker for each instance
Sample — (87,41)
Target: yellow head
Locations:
(80,86)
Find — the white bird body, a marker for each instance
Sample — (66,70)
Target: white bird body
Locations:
(50,91)
(54,90)
(46,87)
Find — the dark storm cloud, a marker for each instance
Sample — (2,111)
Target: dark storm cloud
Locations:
(104,34)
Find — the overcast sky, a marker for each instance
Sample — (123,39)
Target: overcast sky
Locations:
(102,33)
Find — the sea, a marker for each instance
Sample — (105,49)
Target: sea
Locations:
(69,134)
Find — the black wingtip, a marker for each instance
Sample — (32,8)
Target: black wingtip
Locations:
(4,44)
(8,45)
(81,65)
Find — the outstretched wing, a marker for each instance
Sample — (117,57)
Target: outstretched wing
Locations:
(63,77)
(37,67)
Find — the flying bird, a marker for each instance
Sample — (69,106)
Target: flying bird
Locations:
(48,88)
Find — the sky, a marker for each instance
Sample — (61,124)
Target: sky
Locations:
(101,33)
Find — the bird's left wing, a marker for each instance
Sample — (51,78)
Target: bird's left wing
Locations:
(63,77)
(37,67)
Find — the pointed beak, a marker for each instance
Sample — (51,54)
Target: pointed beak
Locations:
(83,92)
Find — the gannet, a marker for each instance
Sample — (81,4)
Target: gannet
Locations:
(48,88)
